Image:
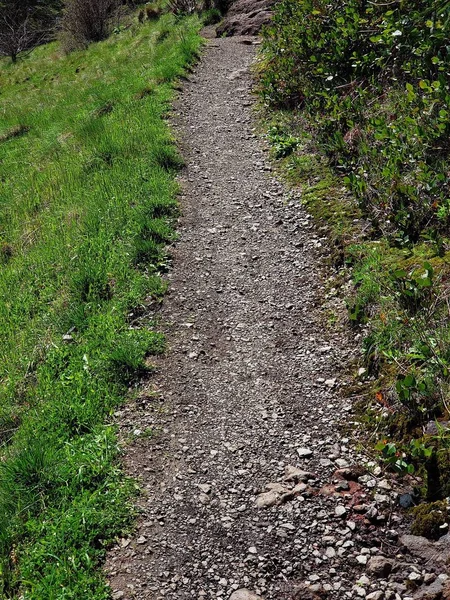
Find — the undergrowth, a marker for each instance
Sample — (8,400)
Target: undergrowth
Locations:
(358,102)
(88,199)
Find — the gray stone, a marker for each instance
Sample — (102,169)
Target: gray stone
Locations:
(304,452)
(292,473)
(430,592)
(244,594)
(267,499)
(434,552)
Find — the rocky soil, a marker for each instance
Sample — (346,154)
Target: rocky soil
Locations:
(246,17)
(251,488)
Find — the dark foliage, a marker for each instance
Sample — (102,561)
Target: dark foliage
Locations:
(25,24)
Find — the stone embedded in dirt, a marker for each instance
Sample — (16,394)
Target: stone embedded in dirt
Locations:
(352,473)
(244,594)
(435,552)
(141,540)
(267,499)
(205,488)
(292,473)
(380,566)
(304,452)
(433,591)
(276,487)
(340,511)
(203,498)
(376,595)
(303,592)
(118,595)
(245,17)
(343,486)
(384,485)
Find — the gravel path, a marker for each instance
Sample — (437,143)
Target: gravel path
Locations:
(247,399)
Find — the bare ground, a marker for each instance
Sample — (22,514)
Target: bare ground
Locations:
(251,376)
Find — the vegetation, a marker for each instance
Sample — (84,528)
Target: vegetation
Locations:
(84,21)
(24,24)
(87,166)
(367,86)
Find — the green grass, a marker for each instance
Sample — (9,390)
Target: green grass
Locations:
(87,166)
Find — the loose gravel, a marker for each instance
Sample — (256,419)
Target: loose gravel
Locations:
(249,488)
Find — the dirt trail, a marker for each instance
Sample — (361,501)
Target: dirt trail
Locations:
(248,383)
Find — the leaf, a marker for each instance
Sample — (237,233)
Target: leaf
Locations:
(399,273)
(409,381)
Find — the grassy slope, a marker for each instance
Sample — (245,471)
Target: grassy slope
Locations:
(88,196)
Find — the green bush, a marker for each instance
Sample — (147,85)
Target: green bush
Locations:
(373,80)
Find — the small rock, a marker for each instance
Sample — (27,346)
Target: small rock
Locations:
(384,485)
(377,595)
(380,566)
(118,595)
(415,577)
(304,452)
(406,501)
(141,540)
(205,488)
(244,594)
(340,511)
(267,499)
(292,473)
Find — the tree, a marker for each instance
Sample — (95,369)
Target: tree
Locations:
(24,24)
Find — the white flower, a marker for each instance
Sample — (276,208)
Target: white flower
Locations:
(396,33)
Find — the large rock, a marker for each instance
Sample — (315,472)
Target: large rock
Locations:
(434,552)
(246,17)
(433,591)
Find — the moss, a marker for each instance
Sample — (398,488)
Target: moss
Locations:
(443,459)
(429,519)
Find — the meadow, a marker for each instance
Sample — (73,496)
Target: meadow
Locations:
(87,208)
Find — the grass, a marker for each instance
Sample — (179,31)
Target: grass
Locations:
(87,166)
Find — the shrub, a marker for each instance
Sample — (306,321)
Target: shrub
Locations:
(86,21)
(372,79)
(183,7)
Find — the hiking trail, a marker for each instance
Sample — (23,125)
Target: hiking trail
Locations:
(245,403)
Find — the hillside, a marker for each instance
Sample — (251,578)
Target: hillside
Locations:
(357,97)
(87,166)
